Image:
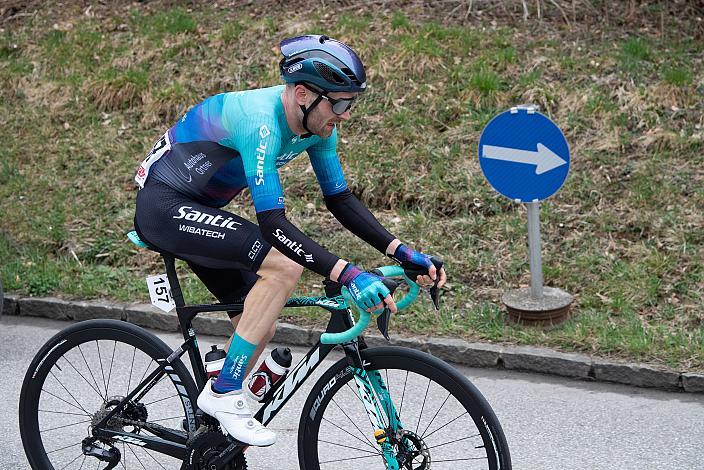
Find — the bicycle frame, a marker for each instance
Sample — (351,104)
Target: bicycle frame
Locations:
(371,387)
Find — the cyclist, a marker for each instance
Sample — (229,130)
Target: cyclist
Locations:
(236,140)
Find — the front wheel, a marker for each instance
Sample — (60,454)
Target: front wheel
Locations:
(446,422)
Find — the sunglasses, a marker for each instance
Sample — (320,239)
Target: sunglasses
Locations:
(339,105)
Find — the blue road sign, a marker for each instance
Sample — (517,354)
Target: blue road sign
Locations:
(524,155)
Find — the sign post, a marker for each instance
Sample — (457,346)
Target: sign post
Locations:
(524,157)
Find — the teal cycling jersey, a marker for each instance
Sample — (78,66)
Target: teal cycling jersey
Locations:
(236,140)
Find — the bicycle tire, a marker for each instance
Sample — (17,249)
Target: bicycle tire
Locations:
(397,361)
(67,344)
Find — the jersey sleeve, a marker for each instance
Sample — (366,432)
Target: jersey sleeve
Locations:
(258,141)
(326,164)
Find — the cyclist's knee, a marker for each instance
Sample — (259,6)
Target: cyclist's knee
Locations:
(279,267)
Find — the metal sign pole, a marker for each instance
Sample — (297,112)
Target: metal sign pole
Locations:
(536,262)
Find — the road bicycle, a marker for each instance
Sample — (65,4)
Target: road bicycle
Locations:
(109,394)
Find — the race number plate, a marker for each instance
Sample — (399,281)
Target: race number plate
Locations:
(160,148)
(160,292)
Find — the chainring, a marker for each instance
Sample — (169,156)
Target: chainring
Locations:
(206,445)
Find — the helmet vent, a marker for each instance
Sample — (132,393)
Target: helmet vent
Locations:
(328,73)
(353,78)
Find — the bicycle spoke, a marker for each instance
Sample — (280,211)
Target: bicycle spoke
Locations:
(62,448)
(160,399)
(85,413)
(423,406)
(84,461)
(356,394)
(90,371)
(351,458)
(152,457)
(436,414)
(136,457)
(124,456)
(349,447)
(79,456)
(102,371)
(145,371)
(62,413)
(452,442)
(65,426)
(345,431)
(428,435)
(459,460)
(112,360)
(403,395)
(69,393)
(129,381)
(86,380)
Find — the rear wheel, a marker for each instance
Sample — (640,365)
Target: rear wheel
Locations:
(82,373)
(446,421)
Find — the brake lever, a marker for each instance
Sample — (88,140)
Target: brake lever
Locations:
(412,271)
(382,322)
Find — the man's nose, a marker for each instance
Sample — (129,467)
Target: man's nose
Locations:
(346,115)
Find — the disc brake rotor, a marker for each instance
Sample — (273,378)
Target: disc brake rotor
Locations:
(413,453)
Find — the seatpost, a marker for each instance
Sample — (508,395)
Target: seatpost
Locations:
(176,293)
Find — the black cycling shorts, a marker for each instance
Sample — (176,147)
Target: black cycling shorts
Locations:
(223,249)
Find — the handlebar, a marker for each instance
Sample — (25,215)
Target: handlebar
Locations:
(364,316)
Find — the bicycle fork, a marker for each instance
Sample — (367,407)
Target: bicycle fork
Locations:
(377,402)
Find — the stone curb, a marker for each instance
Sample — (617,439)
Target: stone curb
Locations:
(520,358)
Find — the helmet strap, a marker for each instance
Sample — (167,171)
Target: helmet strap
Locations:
(306,112)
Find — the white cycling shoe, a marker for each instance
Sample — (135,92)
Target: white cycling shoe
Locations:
(233,413)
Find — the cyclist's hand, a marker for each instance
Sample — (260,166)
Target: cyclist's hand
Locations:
(403,254)
(367,290)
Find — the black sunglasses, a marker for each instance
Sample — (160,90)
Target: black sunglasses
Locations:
(339,105)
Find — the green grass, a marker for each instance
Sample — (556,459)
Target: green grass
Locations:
(678,76)
(81,105)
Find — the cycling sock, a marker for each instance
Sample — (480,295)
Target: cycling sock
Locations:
(235,367)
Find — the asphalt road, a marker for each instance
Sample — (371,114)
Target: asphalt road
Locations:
(550,423)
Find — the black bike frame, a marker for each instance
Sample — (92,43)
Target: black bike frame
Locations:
(172,442)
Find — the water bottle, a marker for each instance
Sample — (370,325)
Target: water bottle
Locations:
(273,369)
(214,360)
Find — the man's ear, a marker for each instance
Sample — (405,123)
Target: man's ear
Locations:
(301,94)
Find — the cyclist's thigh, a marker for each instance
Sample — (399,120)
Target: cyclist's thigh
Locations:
(206,236)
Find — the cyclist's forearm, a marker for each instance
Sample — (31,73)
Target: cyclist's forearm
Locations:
(358,219)
(294,244)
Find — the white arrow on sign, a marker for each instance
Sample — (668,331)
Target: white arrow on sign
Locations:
(544,159)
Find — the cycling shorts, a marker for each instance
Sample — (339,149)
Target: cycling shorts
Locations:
(223,249)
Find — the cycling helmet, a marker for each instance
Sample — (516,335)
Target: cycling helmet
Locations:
(327,64)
